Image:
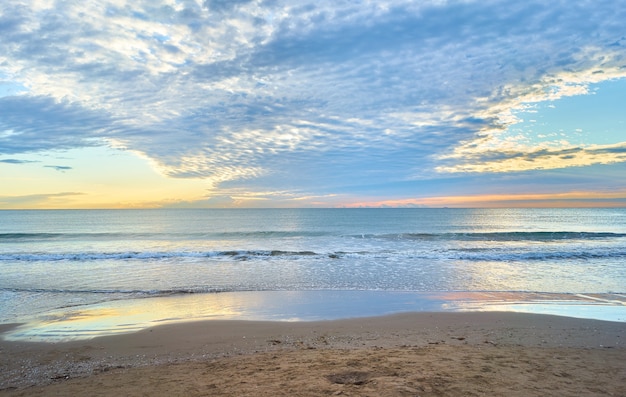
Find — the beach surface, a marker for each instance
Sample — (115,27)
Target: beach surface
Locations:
(409,354)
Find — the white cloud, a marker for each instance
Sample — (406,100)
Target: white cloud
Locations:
(492,151)
(539,158)
(265,92)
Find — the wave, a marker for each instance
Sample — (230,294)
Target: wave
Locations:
(46,236)
(147,255)
(137,293)
(469,236)
(499,236)
(464,254)
(5,237)
(486,255)
(539,256)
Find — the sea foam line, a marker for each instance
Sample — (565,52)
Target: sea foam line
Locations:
(426,253)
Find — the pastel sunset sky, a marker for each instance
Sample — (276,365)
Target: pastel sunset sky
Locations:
(271,103)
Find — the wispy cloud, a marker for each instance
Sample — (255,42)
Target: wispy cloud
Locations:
(16,161)
(523,159)
(35,123)
(61,168)
(45,200)
(283,96)
(490,151)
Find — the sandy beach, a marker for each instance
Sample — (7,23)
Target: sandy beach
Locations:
(413,354)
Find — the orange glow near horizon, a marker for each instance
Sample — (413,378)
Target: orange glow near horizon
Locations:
(124,180)
(539,200)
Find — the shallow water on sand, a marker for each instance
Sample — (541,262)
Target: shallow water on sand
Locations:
(124,316)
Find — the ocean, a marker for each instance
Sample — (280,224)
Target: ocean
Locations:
(148,266)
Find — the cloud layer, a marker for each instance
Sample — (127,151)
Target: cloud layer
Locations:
(272,96)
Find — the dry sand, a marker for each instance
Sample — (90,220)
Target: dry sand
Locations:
(416,354)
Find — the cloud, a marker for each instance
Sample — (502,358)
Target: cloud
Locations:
(33,123)
(61,168)
(223,5)
(16,161)
(540,159)
(42,200)
(273,95)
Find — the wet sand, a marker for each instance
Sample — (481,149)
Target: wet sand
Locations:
(411,354)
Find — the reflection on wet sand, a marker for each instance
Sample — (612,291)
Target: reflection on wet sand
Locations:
(133,315)
(608,307)
(123,317)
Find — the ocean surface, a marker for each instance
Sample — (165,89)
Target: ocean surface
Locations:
(55,264)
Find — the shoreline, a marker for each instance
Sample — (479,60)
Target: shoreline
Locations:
(133,363)
(132,315)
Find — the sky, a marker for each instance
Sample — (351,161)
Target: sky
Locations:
(270,103)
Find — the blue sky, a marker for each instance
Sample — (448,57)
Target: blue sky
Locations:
(267,103)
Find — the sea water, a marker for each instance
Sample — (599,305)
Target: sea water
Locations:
(58,260)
